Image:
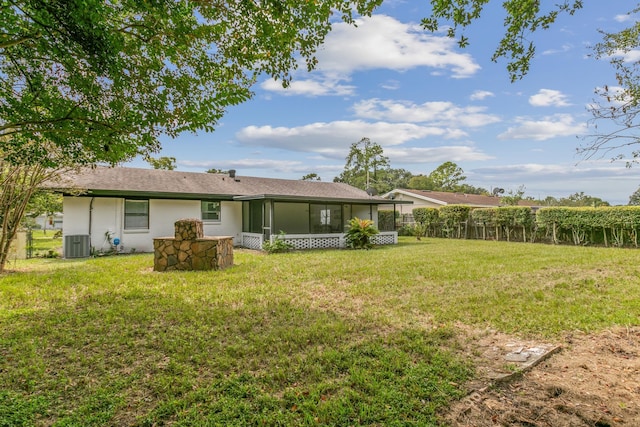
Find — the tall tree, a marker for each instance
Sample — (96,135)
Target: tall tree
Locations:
(363,162)
(391,178)
(94,81)
(447,176)
(421,182)
(17,185)
(101,80)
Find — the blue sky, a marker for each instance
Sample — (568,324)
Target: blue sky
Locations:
(426,101)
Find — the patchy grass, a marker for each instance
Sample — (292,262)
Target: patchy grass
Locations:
(302,338)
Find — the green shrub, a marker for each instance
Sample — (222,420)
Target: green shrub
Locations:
(420,230)
(359,234)
(406,230)
(428,216)
(278,245)
(453,217)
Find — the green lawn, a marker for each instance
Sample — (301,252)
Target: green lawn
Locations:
(304,338)
(46,241)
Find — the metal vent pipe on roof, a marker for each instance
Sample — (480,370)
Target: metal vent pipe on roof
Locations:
(232,173)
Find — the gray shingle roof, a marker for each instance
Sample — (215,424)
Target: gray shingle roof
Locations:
(103,181)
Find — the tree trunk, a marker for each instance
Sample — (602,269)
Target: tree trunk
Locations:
(18,185)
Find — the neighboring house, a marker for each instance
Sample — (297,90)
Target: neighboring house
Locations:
(136,205)
(436,199)
(50,222)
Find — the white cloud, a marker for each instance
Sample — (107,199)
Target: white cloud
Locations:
(319,87)
(612,182)
(391,85)
(631,56)
(548,98)
(540,130)
(479,95)
(623,17)
(627,56)
(281,165)
(333,139)
(563,49)
(437,113)
(455,153)
(380,42)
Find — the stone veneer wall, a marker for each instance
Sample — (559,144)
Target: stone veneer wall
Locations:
(190,250)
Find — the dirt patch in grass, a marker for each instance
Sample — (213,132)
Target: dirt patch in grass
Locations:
(594,380)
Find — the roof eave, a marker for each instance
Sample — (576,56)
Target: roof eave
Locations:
(149,194)
(288,197)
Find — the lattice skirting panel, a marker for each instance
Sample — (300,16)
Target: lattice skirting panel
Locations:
(390,238)
(252,241)
(319,241)
(324,242)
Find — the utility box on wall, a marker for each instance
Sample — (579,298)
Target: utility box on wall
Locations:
(77,246)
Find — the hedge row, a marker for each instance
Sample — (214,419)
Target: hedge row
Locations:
(618,226)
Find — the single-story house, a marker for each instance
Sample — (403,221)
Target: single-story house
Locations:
(133,206)
(436,199)
(50,222)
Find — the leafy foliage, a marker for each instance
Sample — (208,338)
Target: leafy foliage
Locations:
(447,176)
(89,82)
(576,200)
(17,186)
(96,81)
(617,105)
(523,17)
(505,217)
(214,170)
(365,159)
(454,214)
(421,182)
(634,199)
(359,233)
(618,225)
(311,177)
(44,202)
(426,216)
(453,218)
(164,162)
(513,197)
(278,245)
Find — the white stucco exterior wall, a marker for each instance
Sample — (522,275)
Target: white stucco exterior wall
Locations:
(230,223)
(106,214)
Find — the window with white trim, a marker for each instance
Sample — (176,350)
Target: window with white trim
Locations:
(136,214)
(210,210)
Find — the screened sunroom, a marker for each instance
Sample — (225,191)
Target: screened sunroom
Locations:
(307,224)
